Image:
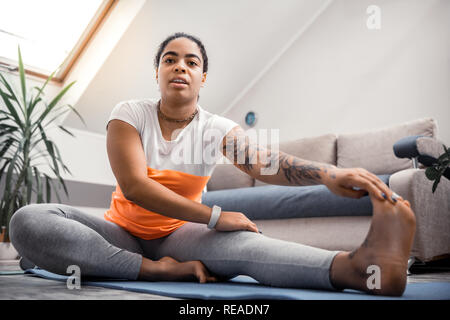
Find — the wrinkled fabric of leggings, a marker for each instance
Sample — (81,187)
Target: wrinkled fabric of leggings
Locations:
(55,236)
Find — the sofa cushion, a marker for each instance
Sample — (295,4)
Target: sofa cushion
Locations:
(329,233)
(282,202)
(373,150)
(227,176)
(321,149)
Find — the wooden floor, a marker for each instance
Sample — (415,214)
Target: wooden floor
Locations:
(31,287)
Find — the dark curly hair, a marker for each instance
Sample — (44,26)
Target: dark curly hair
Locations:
(177,35)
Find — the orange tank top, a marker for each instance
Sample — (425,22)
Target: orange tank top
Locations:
(147,224)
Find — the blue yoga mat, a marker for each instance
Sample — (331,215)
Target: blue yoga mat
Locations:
(244,287)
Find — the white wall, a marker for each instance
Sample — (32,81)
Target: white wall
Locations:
(341,77)
(85,155)
(240,38)
(337,76)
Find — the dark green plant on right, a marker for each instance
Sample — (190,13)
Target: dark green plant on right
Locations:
(435,172)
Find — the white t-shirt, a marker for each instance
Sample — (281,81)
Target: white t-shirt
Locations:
(195,150)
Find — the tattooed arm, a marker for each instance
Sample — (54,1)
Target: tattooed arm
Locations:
(279,168)
(270,165)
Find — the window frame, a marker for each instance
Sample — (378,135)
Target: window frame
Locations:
(86,37)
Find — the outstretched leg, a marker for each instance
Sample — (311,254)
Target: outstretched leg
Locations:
(270,261)
(287,264)
(387,247)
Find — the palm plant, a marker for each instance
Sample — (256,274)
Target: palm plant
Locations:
(24,119)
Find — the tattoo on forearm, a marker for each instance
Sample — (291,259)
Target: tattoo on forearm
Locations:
(298,172)
(249,156)
(244,152)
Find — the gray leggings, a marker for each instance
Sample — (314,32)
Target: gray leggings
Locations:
(54,236)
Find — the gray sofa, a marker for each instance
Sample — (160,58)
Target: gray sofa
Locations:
(339,231)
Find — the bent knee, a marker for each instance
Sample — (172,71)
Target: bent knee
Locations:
(25,222)
(20,218)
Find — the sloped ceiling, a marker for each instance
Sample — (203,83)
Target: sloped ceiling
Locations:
(241,39)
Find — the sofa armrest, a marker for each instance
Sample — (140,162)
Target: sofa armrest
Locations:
(432,211)
(425,149)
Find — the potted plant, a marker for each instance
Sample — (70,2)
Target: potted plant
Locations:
(25,147)
(440,168)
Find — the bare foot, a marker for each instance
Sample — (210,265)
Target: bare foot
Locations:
(169,269)
(386,249)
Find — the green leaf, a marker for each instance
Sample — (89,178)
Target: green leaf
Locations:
(447,150)
(53,103)
(446,163)
(50,180)
(54,153)
(442,170)
(7,115)
(9,180)
(67,131)
(435,184)
(431,173)
(61,182)
(76,112)
(29,184)
(49,146)
(48,191)
(40,92)
(11,109)
(5,148)
(8,127)
(22,78)
(442,157)
(7,130)
(39,188)
(2,170)
(9,88)
(59,158)
(33,104)
(55,117)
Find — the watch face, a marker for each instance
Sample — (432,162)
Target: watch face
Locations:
(250,118)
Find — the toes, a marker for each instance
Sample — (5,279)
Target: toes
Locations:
(201,278)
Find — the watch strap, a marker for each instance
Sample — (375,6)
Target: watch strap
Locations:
(215,215)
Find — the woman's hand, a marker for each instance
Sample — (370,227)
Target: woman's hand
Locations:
(234,221)
(169,269)
(342,181)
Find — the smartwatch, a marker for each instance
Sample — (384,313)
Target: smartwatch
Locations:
(215,215)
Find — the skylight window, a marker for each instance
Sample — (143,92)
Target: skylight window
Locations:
(51,33)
